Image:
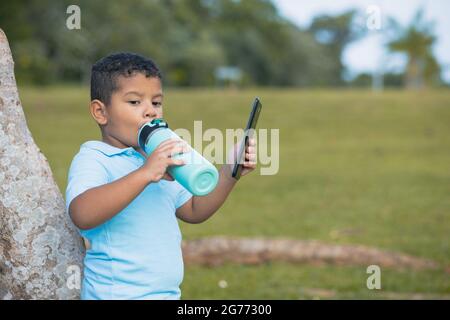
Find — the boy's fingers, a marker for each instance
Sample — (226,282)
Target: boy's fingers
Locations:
(174,162)
(167,176)
(167,143)
(251,157)
(177,150)
(251,149)
(170,145)
(249,164)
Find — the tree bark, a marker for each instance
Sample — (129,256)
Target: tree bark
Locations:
(40,250)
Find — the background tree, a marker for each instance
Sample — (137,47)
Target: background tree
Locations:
(189,39)
(416,41)
(334,33)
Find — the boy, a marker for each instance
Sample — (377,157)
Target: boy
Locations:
(125,204)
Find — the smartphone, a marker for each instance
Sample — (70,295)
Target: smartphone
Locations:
(251,125)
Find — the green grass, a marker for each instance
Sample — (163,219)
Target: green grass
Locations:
(283,281)
(355,168)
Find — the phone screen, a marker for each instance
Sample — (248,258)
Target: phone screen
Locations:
(249,130)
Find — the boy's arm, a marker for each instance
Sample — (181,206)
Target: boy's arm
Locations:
(97,205)
(199,209)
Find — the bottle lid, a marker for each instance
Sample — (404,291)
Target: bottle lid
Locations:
(146,130)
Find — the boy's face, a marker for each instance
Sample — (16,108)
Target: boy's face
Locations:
(137,100)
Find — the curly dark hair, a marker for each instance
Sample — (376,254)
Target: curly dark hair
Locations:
(105,72)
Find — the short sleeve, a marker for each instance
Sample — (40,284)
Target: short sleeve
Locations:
(86,172)
(182,195)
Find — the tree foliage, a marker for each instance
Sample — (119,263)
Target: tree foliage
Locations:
(416,41)
(189,40)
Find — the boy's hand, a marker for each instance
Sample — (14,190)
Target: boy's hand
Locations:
(250,157)
(156,165)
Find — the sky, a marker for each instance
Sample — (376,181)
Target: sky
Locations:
(369,53)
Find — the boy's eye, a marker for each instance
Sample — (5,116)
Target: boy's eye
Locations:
(157,104)
(134,102)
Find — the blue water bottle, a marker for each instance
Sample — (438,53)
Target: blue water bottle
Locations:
(198,175)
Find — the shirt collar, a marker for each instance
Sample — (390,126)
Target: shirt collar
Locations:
(108,149)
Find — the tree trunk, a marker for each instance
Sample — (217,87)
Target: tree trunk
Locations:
(414,73)
(40,249)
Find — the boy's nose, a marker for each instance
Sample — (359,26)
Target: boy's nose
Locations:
(150,112)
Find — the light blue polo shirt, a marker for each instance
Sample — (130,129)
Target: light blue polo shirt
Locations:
(137,253)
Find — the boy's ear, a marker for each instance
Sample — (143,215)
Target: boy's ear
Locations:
(98,112)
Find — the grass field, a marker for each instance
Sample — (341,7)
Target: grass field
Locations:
(355,168)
